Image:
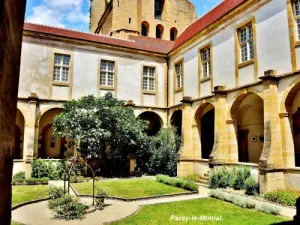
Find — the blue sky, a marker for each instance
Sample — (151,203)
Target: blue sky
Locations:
(74,14)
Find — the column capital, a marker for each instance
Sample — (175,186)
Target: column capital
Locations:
(129,103)
(33,98)
(187,100)
(270,77)
(220,91)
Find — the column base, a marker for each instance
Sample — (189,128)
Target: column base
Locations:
(185,168)
(270,180)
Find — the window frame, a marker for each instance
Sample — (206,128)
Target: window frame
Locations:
(61,66)
(107,71)
(178,88)
(204,63)
(100,87)
(148,91)
(296,19)
(245,44)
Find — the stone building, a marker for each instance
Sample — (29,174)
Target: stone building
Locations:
(230,82)
(165,19)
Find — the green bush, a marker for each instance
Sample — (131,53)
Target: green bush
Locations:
(251,186)
(283,197)
(20,175)
(55,192)
(192,177)
(241,175)
(18,182)
(44,168)
(221,178)
(37,181)
(269,209)
(68,207)
(176,182)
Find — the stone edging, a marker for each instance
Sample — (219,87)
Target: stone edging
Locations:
(132,214)
(29,202)
(261,199)
(137,199)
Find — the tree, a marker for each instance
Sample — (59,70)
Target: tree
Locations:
(106,129)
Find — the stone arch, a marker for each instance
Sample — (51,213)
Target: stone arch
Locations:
(292,110)
(19,136)
(176,121)
(247,113)
(145,28)
(173,33)
(155,122)
(50,146)
(159,31)
(205,122)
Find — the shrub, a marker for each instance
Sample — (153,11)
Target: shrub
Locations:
(40,168)
(43,168)
(176,182)
(68,207)
(251,186)
(192,177)
(36,181)
(221,178)
(18,176)
(283,197)
(55,192)
(269,209)
(241,174)
(18,182)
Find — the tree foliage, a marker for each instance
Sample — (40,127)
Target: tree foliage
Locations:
(105,128)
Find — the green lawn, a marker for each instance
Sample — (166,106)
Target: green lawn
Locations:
(231,214)
(129,188)
(23,193)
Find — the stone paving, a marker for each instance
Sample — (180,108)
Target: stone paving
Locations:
(39,214)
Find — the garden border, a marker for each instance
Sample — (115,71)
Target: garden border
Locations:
(137,199)
(28,203)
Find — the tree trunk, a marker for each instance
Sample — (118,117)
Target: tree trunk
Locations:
(11,26)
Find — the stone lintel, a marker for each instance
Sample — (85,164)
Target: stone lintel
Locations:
(263,171)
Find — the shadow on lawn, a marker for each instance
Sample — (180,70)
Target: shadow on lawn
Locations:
(286,223)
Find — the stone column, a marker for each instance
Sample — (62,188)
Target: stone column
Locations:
(186,152)
(220,153)
(30,135)
(288,151)
(11,26)
(271,175)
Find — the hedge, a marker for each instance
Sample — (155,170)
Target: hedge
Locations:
(30,181)
(176,182)
(283,197)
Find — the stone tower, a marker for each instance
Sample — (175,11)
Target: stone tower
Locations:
(165,19)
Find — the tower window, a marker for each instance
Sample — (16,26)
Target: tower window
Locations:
(129,20)
(145,28)
(173,34)
(159,31)
(158,8)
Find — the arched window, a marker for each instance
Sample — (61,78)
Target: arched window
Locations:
(145,28)
(159,31)
(158,8)
(173,34)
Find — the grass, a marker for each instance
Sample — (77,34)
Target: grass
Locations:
(23,193)
(129,188)
(231,214)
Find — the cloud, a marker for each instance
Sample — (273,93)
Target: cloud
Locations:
(62,13)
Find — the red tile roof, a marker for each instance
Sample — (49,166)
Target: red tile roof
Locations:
(139,43)
(211,17)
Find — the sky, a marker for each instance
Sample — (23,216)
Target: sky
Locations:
(74,14)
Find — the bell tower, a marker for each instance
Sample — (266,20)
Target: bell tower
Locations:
(97,8)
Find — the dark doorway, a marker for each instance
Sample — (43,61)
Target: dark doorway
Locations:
(18,152)
(207,133)
(154,122)
(243,145)
(296,136)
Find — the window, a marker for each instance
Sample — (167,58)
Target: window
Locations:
(297,15)
(107,73)
(246,43)
(61,68)
(178,71)
(158,7)
(148,78)
(206,64)
(159,31)
(173,34)
(145,28)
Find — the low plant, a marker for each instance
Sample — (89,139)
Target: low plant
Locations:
(192,177)
(44,168)
(31,181)
(55,192)
(101,194)
(283,197)
(79,179)
(240,177)
(176,182)
(268,209)
(67,207)
(221,178)
(251,186)
(18,176)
